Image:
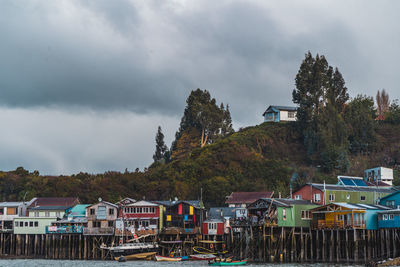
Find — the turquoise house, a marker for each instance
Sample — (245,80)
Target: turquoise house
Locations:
(392,200)
(389,219)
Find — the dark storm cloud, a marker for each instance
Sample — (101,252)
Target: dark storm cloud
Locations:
(147,56)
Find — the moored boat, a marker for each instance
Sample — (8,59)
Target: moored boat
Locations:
(202,257)
(163,258)
(134,251)
(227,263)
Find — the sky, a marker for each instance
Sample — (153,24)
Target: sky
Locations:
(84,84)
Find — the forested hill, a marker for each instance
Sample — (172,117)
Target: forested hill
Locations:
(263,157)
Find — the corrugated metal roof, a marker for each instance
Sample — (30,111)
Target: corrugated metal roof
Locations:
(353,188)
(280,108)
(10,204)
(246,197)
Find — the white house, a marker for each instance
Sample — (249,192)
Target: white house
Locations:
(280,113)
(9,211)
(379,174)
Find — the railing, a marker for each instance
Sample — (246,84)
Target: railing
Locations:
(98,231)
(6,230)
(73,229)
(118,232)
(180,230)
(323,224)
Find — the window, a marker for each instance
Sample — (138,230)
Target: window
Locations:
(340,217)
(331,197)
(291,114)
(384,217)
(390,203)
(92,211)
(30,224)
(284,214)
(96,224)
(47,214)
(391,216)
(58,214)
(305,215)
(1,211)
(362,198)
(348,196)
(110,224)
(111,211)
(298,197)
(36,214)
(26,224)
(212,226)
(36,224)
(16,224)
(21,224)
(317,198)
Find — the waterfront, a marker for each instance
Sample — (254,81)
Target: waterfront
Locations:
(62,263)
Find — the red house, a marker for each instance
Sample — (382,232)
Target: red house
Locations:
(310,192)
(141,217)
(213,227)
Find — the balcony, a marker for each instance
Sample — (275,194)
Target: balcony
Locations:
(118,232)
(327,224)
(73,229)
(98,231)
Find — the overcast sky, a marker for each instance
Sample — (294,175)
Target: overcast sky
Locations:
(84,84)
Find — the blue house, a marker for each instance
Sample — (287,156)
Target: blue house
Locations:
(389,219)
(392,200)
(280,113)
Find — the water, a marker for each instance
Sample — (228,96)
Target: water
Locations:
(64,263)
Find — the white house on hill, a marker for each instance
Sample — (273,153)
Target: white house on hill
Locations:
(280,113)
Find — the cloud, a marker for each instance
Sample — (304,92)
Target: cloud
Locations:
(63,142)
(144,57)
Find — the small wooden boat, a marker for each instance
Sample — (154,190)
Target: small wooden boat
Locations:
(227,263)
(162,258)
(202,257)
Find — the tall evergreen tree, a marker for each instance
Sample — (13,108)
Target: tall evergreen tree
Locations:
(162,152)
(321,94)
(203,114)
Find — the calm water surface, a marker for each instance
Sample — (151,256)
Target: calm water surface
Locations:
(62,263)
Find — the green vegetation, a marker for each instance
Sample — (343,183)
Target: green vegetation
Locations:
(332,136)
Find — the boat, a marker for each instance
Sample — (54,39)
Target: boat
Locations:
(227,263)
(135,250)
(162,258)
(202,257)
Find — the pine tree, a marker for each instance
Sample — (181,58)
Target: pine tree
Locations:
(321,95)
(161,153)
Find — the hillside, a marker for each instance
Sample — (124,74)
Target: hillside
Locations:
(262,157)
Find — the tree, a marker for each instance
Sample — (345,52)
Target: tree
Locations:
(203,114)
(382,103)
(321,95)
(393,115)
(162,152)
(360,119)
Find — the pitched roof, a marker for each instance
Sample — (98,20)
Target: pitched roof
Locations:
(141,203)
(246,197)
(285,202)
(167,203)
(10,204)
(351,188)
(54,201)
(104,202)
(354,206)
(220,212)
(272,108)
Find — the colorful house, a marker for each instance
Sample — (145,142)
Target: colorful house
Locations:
(142,217)
(280,113)
(389,219)
(101,218)
(42,212)
(218,221)
(73,221)
(9,211)
(379,174)
(346,216)
(322,194)
(282,212)
(182,216)
(392,200)
(243,199)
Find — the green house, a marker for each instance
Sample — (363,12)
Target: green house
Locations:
(281,212)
